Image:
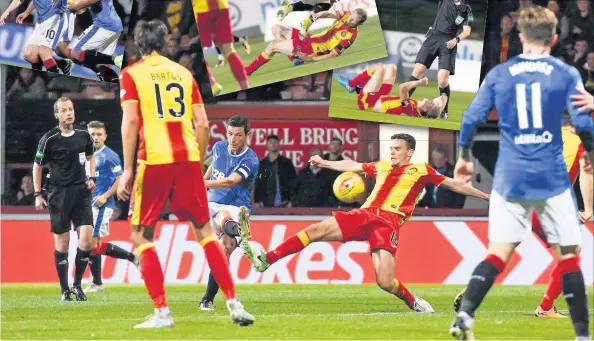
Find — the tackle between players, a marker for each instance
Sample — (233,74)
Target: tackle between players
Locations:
(311,6)
(374,85)
(161,103)
(313,48)
(530,92)
(230,181)
(399,184)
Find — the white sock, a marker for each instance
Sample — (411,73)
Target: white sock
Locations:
(221,57)
(233,301)
(162,311)
(241,40)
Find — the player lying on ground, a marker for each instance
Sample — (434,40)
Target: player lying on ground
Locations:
(573,152)
(108,169)
(312,6)
(230,180)
(530,174)
(52,27)
(242,40)
(214,28)
(170,109)
(97,45)
(313,48)
(399,184)
(374,86)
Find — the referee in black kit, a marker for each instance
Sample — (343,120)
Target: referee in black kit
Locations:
(69,199)
(441,41)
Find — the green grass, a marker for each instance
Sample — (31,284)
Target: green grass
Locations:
(344,105)
(369,45)
(294,312)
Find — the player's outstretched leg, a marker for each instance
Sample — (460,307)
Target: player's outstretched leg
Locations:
(282,46)
(284,10)
(215,87)
(361,79)
(110,250)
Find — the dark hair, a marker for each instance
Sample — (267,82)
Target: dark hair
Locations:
(409,139)
(272,137)
(362,15)
(336,139)
(239,121)
(150,36)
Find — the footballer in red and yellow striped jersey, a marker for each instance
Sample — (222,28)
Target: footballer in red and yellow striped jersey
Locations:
(312,48)
(162,104)
(374,86)
(214,28)
(399,183)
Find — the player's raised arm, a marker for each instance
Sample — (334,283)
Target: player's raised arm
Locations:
(341,166)
(581,119)
(464,188)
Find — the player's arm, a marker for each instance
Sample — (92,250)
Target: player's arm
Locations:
(466,30)
(21,17)
(40,157)
(327,15)
(244,171)
(340,166)
(13,5)
(464,189)
(80,4)
(581,119)
(587,189)
(208,173)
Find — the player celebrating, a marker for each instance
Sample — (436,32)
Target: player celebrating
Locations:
(162,103)
(242,40)
(108,169)
(530,173)
(214,27)
(230,180)
(98,43)
(313,48)
(399,184)
(441,42)
(51,26)
(374,86)
(312,6)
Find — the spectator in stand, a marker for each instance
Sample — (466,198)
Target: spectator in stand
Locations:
(25,196)
(275,179)
(172,51)
(313,186)
(335,150)
(523,5)
(30,84)
(581,21)
(562,27)
(589,68)
(506,44)
(186,61)
(580,56)
(436,197)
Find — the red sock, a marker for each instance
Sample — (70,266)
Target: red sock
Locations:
(50,65)
(262,59)
(290,246)
(497,262)
(152,273)
(402,293)
(219,266)
(237,67)
(291,58)
(361,79)
(211,78)
(99,250)
(553,289)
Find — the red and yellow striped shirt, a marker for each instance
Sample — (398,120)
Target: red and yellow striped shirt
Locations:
(394,105)
(204,6)
(165,92)
(337,37)
(573,151)
(397,189)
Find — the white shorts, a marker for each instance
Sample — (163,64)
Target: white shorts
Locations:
(49,32)
(101,217)
(98,39)
(215,208)
(510,221)
(69,34)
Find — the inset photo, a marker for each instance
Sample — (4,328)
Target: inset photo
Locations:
(253,43)
(81,38)
(431,73)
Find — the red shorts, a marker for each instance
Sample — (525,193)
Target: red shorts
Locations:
(301,45)
(368,100)
(215,26)
(180,182)
(379,228)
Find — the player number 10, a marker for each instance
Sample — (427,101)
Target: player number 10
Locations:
(536,106)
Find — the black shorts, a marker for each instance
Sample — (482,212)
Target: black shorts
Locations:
(435,47)
(300,7)
(69,204)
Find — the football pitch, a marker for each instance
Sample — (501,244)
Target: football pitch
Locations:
(344,105)
(294,312)
(369,45)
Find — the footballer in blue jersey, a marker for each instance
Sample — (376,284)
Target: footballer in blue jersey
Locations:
(108,169)
(49,34)
(97,45)
(230,180)
(530,93)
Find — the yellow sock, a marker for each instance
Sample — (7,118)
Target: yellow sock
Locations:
(304,238)
(396,287)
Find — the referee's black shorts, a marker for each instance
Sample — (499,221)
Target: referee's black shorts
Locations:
(69,204)
(435,47)
(321,7)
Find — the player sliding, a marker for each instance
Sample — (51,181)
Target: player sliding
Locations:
(230,180)
(161,97)
(313,48)
(530,93)
(399,184)
(374,86)
(312,6)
